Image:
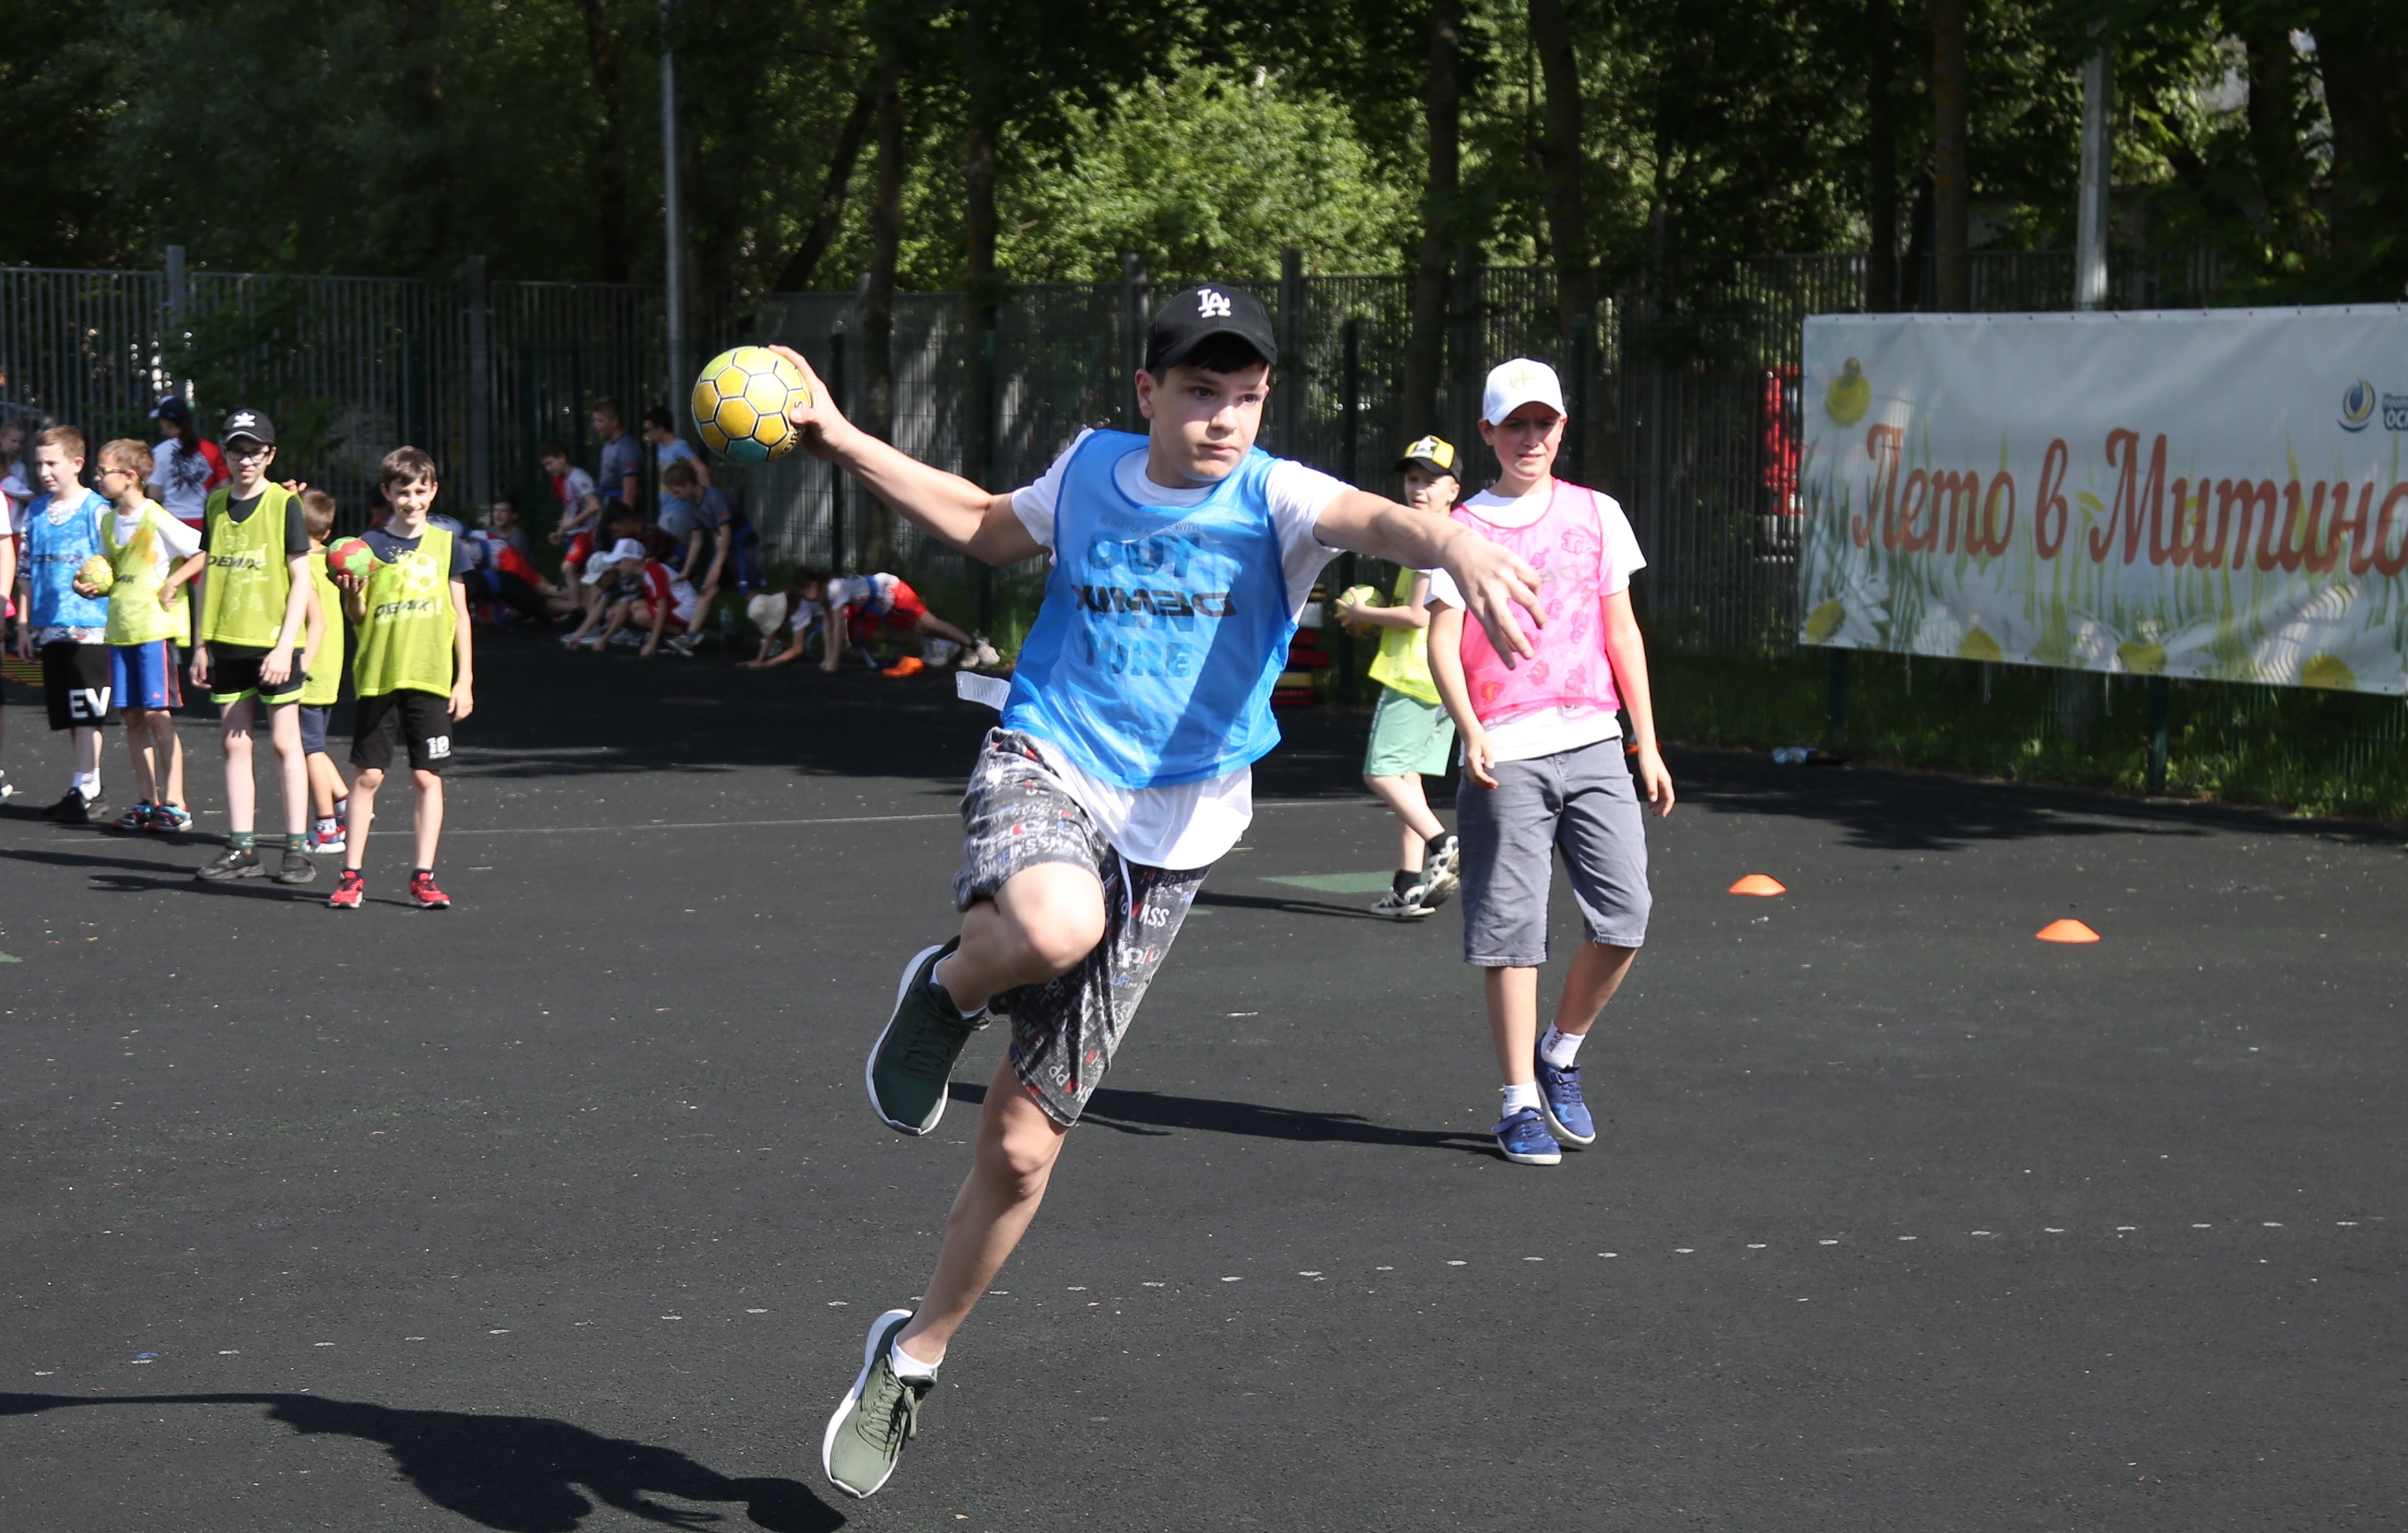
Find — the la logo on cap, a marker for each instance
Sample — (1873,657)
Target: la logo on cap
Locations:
(1211,305)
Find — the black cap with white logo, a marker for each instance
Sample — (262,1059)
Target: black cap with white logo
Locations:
(253,424)
(1192,315)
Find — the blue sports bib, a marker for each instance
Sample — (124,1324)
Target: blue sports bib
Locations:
(55,549)
(1163,628)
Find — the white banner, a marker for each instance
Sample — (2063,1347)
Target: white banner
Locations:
(2214,494)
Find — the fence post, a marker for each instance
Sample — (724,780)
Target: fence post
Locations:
(178,306)
(990,429)
(837,480)
(1584,363)
(2161,707)
(1132,336)
(1835,708)
(1467,361)
(1291,364)
(481,384)
(1350,454)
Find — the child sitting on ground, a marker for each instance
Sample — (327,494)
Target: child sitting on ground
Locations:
(789,617)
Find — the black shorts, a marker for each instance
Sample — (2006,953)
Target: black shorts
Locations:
(422,719)
(75,685)
(234,675)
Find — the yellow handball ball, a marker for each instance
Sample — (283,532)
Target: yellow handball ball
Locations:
(741,403)
(97,573)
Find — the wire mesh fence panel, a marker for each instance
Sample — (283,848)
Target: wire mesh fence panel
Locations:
(84,347)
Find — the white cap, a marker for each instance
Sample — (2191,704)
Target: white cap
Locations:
(1518,382)
(626,548)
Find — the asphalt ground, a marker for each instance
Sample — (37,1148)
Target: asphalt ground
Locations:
(562,1209)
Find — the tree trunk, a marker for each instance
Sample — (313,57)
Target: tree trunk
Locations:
(828,221)
(1442,115)
(610,149)
(1952,191)
(421,236)
(981,286)
(1560,160)
(1881,157)
(878,297)
(2363,57)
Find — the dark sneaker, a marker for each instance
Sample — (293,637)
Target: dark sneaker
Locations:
(424,895)
(1522,1140)
(879,1414)
(77,809)
(136,818)
(296,868)
(1567,1114)
(1441,869)
(912,1060)
(231,864)
(169,819)
(350,889)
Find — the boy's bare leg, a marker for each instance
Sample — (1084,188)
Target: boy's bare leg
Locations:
(1042,922)
(326,784)
(284,734)
(430,815)
(140,748)
(1017,1147)
(169,747)
(1404,797)
(1513,1022)
(355,831)
(243,794)
(931,625)
(1045,922)
(1597,970)
(86,749)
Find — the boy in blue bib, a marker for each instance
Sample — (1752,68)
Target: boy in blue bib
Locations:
(1181,561)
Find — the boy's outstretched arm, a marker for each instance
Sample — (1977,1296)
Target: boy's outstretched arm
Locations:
(1627,650)
(1494,578)
(945,506)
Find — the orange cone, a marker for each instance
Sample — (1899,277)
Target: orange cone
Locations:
(1756,883)
(2066,931)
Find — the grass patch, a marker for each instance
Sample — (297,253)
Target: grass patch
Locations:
(2322,753)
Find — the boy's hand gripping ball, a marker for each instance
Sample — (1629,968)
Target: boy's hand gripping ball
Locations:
(96,575)
(352,557)
(741,403)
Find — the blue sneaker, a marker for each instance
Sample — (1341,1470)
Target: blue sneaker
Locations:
(1567,1114)
(1521,1138)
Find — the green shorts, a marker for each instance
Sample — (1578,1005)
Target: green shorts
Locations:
(1408,736)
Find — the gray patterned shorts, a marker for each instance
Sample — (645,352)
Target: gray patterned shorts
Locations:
(1065,1031)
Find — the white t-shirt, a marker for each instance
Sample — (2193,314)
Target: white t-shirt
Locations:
(1185,825)
(15,491)
(806,613)
(874,592)
(178,541)
(183,482)
(1548,731)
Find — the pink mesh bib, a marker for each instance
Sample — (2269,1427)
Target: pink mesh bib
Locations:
(1569,669)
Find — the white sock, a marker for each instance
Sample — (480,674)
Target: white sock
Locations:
(909,1366)
(1518,1097)
(937,984)
(1560,1048)
(88,783)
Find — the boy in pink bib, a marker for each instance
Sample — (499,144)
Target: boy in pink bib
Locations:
(1542,761)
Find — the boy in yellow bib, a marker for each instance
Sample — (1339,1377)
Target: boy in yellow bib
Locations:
(255,605)
(414,671)
(153,556)
(1411,737)
(328,798)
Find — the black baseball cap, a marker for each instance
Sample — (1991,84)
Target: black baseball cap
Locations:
(1193,314)
(171,407)
(253,424)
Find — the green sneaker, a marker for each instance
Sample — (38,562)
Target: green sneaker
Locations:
(912,1059)
(864,1439)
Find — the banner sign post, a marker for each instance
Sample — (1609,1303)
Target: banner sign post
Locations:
(2216,494)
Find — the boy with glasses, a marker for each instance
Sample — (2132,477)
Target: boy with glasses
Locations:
(155,555)
(257,599)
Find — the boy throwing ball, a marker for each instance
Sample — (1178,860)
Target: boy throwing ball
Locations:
(1120,773)
(1542,761)
(415,673)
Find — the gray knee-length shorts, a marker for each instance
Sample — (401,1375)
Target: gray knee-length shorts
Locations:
(1579,803)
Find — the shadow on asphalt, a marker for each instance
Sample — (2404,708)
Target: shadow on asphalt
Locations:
(1288,906)
(1158,1114)
(519,1474)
